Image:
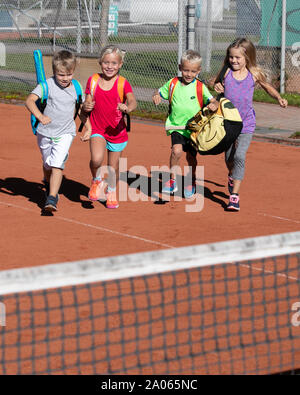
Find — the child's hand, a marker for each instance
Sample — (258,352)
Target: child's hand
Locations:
(88,106)
(45,120)
(123,107)
(156,98)
(86,136)
(213,105)
(282,102)
(219,88)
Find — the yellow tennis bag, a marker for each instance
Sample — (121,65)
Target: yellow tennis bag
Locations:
(213,132)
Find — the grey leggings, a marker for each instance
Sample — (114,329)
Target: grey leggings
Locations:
(236,155)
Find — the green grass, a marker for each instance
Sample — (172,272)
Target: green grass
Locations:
(144,69)
(295,135)
(22,62)
(262,96)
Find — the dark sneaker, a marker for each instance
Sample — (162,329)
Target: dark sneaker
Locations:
(170,187)
(51,203)
(234,204)
(230,185)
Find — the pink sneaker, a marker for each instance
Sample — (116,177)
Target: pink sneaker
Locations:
(95,190)
(111,201)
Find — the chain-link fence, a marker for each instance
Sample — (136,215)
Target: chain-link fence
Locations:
(154,33)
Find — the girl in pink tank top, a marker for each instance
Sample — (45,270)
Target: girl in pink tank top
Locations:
(238,86)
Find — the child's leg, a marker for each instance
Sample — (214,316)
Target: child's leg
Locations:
(190,178)
(235,160)
(191,158)
(97,149)
(175,157)
(55,162)
(113,169)
(55,181)
(47,174)
(114,155)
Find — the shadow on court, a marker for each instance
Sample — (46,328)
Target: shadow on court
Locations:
(152,187)
(33,191)
(36,192)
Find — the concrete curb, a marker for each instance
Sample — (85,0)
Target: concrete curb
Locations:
(276,139)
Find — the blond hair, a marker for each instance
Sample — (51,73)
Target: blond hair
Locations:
(249,51)
(63,60)
(191,56)
(109,49)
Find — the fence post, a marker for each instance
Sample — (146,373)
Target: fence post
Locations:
(181,34)
(209,37)
(2,55)
(78,37)
(191,24)
(283,47)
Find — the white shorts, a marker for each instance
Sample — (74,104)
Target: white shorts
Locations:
(55,150)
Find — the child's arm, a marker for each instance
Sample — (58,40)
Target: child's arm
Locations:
(273,93)
(88,104)
(130,104)
(32,107)
(213,105)
(156,98)
(87,123)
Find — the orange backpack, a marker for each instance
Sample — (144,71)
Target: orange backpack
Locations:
(121,84)
(199,89)
(120,87)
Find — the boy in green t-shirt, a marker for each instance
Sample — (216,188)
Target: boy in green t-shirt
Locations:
(186,96)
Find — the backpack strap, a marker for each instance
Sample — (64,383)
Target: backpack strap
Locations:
(43,101)
(78,89)
(172,86)
(94,82)
(45,91)
(120,87)
(121,93)
(220,78)
(199,87)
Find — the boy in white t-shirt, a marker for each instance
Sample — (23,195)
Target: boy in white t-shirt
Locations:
(186,96)
(56,129)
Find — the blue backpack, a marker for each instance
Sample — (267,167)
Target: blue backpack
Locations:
(42,102)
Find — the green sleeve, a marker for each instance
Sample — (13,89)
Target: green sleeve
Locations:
(207,96)
(164,90)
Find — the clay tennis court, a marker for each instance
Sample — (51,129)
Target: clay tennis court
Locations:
(82,230)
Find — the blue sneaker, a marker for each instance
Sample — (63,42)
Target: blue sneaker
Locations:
(189,191)
(51,203)
(230,185)
(170,187)
(234,204)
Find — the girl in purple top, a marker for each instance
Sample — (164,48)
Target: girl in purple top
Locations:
(238,86)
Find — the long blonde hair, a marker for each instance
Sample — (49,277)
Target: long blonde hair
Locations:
(249,51)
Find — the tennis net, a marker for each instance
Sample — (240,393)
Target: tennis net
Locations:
(222,308)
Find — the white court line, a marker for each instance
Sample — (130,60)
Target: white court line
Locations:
(281,218)
(269,271)
(94,227)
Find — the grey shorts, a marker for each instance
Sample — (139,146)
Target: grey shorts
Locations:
(237,155)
